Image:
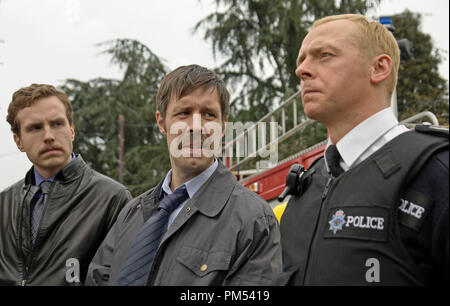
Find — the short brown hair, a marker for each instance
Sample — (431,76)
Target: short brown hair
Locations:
(372,39)
(28,96)
(185,79)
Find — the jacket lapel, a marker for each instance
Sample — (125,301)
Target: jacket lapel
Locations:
(150,201)
(209,200)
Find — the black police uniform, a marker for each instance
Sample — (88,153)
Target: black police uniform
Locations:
(384,221)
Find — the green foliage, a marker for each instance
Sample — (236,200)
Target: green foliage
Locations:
(145,166)
(259,40)
(420,87)
(98,103)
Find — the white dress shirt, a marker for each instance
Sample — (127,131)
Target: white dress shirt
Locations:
(367,138)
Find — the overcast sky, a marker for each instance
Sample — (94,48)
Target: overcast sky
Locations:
(48,41)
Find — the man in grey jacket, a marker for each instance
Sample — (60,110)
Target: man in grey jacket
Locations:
(53,220)
(219,232)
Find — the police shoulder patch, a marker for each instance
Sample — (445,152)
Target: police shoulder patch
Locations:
(413,209)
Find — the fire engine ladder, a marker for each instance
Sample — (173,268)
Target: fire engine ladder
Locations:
(290,124)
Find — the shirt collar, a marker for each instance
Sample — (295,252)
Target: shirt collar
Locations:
(194,184)
(39,179)
(361,137)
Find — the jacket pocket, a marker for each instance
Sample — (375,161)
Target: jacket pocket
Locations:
(202,262)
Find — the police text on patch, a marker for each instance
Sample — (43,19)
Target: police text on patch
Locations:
(339,220)
(411,209)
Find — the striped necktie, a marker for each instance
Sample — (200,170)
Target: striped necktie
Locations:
(38,209)
(137,265)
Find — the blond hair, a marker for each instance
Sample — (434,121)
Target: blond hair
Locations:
(372,39)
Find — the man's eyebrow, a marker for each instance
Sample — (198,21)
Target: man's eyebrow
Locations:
(32,123)
(59,118)
(210,109)
(315,49)
(179,107)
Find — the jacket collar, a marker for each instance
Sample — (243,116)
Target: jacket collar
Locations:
(209,199)
(214,194)
(149,200)
(70,172)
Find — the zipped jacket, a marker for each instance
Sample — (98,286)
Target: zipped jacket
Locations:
(81,207)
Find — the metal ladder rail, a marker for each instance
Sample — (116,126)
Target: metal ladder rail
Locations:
(296,127)
(270,117)
(426,114)
(409,122)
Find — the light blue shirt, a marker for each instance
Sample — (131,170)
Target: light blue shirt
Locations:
(192,186)
(39,179)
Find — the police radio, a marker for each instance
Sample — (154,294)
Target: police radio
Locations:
(292,181)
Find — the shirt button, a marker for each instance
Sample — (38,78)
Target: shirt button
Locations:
(203,268)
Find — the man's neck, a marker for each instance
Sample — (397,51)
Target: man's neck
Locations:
(339,128)
(48,173)
(181,176)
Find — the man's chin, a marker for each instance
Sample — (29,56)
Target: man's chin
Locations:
(193,163)
(54,162)
(201,153)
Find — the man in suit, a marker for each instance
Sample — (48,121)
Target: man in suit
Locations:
(198,226)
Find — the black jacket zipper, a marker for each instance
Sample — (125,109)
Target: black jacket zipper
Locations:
(324,196)
(24,259)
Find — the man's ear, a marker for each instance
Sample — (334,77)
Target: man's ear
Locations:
(224,126)
(160,122)
(18,142)
(72,129)
(381,68)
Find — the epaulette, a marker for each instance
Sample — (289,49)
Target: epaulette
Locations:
(433,130)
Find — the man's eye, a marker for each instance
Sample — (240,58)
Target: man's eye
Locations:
(36,128)
(210,115)
(325,54)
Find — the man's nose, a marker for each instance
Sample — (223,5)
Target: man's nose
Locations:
(304,70)
(48,133)
(195,124)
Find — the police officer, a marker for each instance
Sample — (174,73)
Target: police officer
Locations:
(375,209)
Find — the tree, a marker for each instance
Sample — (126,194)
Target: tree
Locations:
(420,87)
(259,40)
(97,104)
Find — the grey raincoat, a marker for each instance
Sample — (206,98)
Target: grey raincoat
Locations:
(225,235)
